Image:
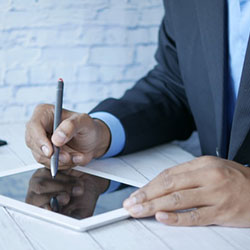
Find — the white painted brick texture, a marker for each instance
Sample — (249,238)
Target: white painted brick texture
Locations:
(99,47)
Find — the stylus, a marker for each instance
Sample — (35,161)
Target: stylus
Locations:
(57,120)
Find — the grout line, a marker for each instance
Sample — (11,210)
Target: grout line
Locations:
(128,164)
(94,239)
(156,235)
(18,226)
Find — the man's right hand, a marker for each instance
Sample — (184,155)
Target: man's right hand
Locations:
(79,137)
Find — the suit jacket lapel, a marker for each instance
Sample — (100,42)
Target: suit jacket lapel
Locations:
(241,120)
(212,18)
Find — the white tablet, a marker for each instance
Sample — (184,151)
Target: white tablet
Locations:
(74,199)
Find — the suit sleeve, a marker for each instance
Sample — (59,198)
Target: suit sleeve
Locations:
(155,110)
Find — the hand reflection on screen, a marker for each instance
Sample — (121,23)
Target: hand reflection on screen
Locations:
(76,192)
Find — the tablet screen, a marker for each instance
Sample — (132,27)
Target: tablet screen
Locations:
(71,193)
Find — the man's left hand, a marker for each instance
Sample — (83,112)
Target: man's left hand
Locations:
(216,191)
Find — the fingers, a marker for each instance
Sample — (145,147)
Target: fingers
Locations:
(65,160)
(197,217)
(68,128)
(42,200)
(37,128)
(184,199)
(43,186)
(163,184)
(37,140)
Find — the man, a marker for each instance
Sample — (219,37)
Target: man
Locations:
(201,81)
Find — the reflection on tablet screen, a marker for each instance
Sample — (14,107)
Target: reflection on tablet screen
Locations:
(72,193)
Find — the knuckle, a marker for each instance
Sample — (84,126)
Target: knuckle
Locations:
(176,199)
(219,173)
(167,180)
(69,126)
(150,207)
(207,159)
(194,217)
(42,106)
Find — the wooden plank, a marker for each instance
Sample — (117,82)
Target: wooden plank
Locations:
(116,169)
(180,238)
(149,162)
(175,153)
(12,236)
(15,136)
(8,159)
(238,237)
(128,234)
(50,236)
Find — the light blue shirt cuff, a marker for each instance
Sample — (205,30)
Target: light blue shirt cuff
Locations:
(117,132)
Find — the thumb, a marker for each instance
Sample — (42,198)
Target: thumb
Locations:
(66,131)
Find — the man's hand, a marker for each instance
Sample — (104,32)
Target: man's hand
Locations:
(216,190)
(76,192)
(80,137)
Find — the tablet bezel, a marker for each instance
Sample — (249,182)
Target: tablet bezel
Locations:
(62,220)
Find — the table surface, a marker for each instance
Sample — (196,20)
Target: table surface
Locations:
(20,231)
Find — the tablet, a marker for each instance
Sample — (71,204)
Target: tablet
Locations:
(74,199)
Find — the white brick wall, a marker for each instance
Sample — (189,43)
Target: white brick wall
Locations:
(99,47)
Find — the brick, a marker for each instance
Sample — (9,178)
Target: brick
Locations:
(85,107)
(19,57)
(145,55)
(117,90)
(65,70)
(136,3)
(68,55)
(111,56)
(36,94)
(83,92)
(140,36)
(54,37)
(16,76)
(100,48)
(22,19)
(4,5)
(5,95)
(1,76)
(115,36)
(151,16)
(111,73)
(13,113)
(117,16)
(135,72)
(92,35)
(13,38)
(88,74)
(153,34)
(40,73)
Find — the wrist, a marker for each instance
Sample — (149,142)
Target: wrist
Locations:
(103,138)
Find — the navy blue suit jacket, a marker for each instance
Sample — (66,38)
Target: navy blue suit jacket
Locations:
(185,90)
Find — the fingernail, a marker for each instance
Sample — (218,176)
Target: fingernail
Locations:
(161,216)
(60,136)
(130,202)
(45,150)
(136,197)
(62,158)
(77,191)
(136,209)
(77,159)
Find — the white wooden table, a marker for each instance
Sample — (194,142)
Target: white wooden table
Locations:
(18,231)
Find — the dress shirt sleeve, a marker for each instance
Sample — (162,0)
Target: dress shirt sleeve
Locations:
(117,140)
(117,132)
